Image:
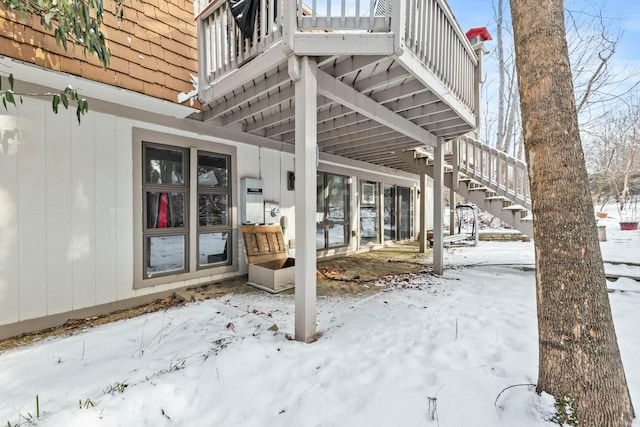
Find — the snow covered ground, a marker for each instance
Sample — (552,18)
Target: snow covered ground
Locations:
(430,351)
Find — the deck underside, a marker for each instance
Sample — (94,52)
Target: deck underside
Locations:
(370,107)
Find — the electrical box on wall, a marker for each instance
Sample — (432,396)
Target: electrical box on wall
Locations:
(271,212)
(251,201)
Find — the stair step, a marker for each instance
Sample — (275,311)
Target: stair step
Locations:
(515,208)
(497,201)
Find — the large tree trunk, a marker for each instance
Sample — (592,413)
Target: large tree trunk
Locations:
(579,356)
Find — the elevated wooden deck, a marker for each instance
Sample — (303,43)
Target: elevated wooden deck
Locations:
(391,75)
(362,80)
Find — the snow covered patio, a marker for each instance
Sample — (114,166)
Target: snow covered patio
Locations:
(459,339)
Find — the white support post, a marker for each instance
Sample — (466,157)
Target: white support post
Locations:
(438,181)
(355,207)
(305,200)
(397,24)
(289,23)
(452,212)
(424,242)
(478,75)
(455,177)
(454,187)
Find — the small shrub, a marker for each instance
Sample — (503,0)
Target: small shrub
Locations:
(116,387)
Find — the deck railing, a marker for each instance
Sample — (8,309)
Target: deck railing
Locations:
(496,170)
(343,15)
(221,46)
(425,27)
(432,33)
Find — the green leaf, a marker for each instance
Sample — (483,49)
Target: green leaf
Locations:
(55,102)
(65,100)
(83,107)
(85,9)
(9,96)
(10,78)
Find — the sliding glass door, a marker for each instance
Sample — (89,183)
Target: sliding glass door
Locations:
(332,215)
(398,213)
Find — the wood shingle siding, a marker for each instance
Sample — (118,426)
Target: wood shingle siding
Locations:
(153,48)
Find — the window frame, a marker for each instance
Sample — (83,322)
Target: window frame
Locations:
(193,273)
(219,228)
(397,220)
(366,202)
(154,232)
(325,223)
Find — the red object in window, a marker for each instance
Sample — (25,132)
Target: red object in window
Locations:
(479,31)
(163,210)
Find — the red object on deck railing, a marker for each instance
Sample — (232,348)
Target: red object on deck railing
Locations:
(479,31)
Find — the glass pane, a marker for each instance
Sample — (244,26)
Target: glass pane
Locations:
(368,193)
(164,166)
(338,197)
(165,210)
(369,222)
(165,254)
(404,195)
(213,209)
(213,248)
(320,237)
(369,225)
(389,213)
(213,171)
(320,198)
(337,235)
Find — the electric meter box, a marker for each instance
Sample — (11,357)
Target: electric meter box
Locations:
(251,201)
(271,212)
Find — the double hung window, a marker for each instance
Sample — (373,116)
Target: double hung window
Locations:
(186,204)
(166,213)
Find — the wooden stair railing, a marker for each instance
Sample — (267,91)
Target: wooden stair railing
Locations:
(491,179)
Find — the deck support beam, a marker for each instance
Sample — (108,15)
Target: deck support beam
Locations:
(424,242)
(346,95)
(306,89)
(438,183)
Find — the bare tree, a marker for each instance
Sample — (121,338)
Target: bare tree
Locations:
(602,149)
(579,358)
(508,113)
(593,41)
(613,151)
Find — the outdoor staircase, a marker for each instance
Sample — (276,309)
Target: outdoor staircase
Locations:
(492,180)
